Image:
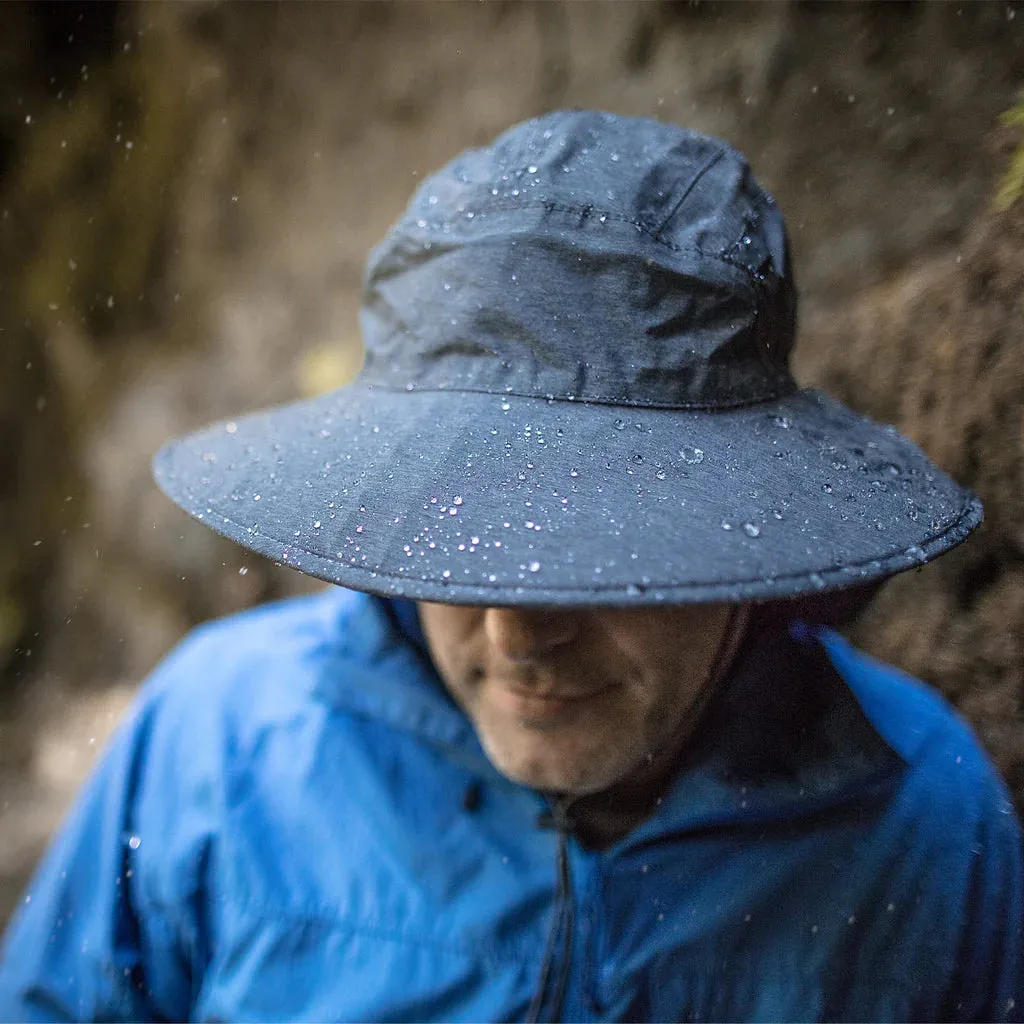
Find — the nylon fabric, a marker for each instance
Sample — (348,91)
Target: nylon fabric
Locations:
(279,832)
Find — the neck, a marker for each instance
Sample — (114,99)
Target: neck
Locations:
(601,819)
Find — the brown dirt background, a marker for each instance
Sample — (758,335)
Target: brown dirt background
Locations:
(188,192)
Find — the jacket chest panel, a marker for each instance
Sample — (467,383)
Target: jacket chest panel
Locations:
(363,868)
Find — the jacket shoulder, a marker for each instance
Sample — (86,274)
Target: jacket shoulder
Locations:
(252,649)
(212,699)
(949,770)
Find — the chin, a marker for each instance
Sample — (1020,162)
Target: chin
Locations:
(549,773)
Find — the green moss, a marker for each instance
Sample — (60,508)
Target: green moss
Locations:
(1011,187)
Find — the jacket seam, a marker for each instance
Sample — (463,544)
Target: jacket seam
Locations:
(326,919)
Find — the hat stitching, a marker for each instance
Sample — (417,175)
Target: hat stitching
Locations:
(708,164)
(589,209)
(728,405)
(843,570)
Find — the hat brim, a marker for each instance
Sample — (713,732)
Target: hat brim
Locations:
(484,499)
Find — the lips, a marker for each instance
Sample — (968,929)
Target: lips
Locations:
(531,706)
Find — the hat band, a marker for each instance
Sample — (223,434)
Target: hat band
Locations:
(463,373)
(545,314)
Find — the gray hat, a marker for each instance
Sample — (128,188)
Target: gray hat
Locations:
(577,393)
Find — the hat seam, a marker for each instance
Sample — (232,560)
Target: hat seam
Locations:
(689,187)
(652,586)
(648,229)
(771,396)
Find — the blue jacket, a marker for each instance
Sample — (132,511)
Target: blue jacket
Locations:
(297,824)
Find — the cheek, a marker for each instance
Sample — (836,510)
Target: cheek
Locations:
(461,671)
(669,695)
(453,640)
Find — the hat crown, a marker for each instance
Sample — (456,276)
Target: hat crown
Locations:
(591,257)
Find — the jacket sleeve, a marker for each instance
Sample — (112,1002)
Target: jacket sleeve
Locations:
(989,984)
(86,942)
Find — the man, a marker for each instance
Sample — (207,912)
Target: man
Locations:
(568,745)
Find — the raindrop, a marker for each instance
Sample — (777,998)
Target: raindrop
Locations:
(231,428)
(691,456)
(532,169)
(660,474)
(574,472)
(505,407)
(447,574)
(817,580)
(134,842)
(534,566)
(827,488)
(781,421)
(457,500)
(637,458)
(726,525)
(242,571)
(752,530)
(620,424)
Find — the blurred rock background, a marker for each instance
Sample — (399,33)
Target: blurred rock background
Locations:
(187,195)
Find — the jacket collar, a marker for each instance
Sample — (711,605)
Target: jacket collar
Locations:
(785,737)
(795,727)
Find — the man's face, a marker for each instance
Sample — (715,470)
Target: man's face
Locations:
(574,701)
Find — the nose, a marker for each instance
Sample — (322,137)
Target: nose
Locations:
(529,634)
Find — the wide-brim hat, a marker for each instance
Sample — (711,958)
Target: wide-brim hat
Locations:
(577,393)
